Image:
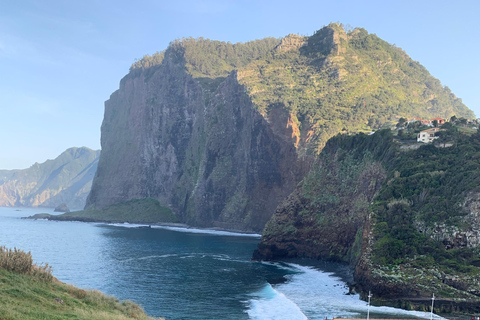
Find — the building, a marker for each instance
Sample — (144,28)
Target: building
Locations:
(422,121)
(427,136)
(440,121)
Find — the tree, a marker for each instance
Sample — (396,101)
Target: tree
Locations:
(453,119)
(401,122)
(449,134)
(435,123)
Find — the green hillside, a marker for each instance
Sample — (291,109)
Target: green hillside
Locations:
(30,292)
(406,220)
(333,81)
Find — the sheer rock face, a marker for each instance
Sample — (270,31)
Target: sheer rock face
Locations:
(309,225)
(210,157)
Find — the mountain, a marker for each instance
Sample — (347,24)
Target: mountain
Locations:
(407,221)
(66,179)
(221,133)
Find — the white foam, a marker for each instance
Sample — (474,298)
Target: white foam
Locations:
(209,231)
(150,257)
(124,225)
(318,295)
(269,304)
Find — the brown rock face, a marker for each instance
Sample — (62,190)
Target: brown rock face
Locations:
(210,157)
(323,218)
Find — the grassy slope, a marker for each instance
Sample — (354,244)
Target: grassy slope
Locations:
(134,211)
(29,291)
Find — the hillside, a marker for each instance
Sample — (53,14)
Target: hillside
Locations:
(406,221)
(30,292)
(221,133)
(65,179)
(333,81)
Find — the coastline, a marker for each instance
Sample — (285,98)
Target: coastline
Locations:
(182,227)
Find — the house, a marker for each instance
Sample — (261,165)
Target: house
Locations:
(440,121)
(422,121)
(428,135)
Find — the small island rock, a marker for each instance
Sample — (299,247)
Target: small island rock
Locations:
(62,208)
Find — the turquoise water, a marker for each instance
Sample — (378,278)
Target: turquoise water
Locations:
(182,273)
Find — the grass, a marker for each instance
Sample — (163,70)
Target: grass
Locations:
(30,292)
(148,211)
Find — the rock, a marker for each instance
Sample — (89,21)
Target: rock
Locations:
(62,208)
(214,162)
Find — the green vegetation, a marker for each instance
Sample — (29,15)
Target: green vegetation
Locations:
(426,189)
(331,82)
(145,210)
(424,194)
(30,292)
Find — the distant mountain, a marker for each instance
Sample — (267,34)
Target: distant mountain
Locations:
(66,179)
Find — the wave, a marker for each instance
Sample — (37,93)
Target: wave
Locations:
(269,304)
(209,231)
(185,229)
(314,294)
(149,257)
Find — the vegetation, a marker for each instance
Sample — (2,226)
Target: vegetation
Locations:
(333,81)
(145,210)
(30,292)
(426,189)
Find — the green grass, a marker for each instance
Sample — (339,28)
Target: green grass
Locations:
(146,210)
(30,292)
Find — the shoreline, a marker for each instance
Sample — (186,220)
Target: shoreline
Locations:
(141,224)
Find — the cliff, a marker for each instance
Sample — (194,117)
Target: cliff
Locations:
(221,133)
(211,158)
(405,221)
(66,179)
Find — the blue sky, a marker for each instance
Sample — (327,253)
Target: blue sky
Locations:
(60,60)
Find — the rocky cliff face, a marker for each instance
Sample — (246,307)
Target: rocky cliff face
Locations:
(323,218)
(401,249)
(66,179)
(207,155)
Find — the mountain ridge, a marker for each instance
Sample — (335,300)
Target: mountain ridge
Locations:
(65,179)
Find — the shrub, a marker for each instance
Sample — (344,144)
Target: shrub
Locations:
(16,260)
(19,261)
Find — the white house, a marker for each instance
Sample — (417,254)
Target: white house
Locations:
(428,135)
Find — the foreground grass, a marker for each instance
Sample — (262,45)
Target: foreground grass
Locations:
(31,293)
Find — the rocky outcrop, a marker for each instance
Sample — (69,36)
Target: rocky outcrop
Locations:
(62,208)
(208,156)
(323,218)
(65,179)
(291,42)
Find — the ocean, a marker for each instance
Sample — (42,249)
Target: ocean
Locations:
(180,273)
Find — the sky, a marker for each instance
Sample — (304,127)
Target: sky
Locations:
(61,59)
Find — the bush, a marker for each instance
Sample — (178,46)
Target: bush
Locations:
(19,261)
(16,260)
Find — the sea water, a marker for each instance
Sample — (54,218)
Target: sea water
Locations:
(180,273)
